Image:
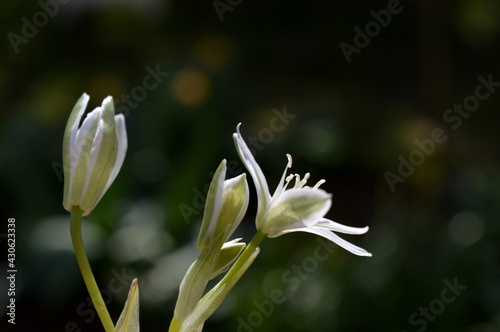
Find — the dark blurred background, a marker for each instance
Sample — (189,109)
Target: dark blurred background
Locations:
(356,103)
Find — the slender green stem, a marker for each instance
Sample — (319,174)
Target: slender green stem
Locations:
(88,277)
(231,277)
(245,255)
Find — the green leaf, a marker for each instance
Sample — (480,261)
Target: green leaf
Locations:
(129,319)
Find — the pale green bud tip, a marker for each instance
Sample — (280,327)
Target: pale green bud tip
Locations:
(213,205)
(227,202)
(92,153)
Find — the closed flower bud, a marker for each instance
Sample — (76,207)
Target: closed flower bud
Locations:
(226,204)
(92,154)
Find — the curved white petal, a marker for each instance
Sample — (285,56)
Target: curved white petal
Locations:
(82,150)
(74,121)
(76,117)
(310,204)
(253,168)
(69,153)
(332,237)
(102,157)
(336,227)
(296,206)
(86,130)
(96,146)
(121,138)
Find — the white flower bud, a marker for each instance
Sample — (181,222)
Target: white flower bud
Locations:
(92,154)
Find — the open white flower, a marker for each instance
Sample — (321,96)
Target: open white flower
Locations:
(296,209)
(92,154)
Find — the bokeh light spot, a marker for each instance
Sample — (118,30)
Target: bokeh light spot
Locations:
(191,87)
(321,143)
(214,51)
(465,228)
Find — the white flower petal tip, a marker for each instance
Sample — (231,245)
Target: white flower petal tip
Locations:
(297,208)
(93,153)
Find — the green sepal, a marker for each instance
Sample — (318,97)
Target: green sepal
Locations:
(129,318)
(228,254)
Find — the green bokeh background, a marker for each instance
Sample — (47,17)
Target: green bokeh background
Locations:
(352,122)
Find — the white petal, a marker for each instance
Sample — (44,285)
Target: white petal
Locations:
(85,130)
(69,155)
(102,157)
(332,237)
(294,208)
(253,168)
(94,150)
(85,140)
(74,152)
(122,141)
(336,227)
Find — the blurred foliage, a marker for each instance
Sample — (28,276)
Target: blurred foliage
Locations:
(352,122)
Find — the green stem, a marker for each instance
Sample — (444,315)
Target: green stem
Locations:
(88,277)
(230,279)
(250,248)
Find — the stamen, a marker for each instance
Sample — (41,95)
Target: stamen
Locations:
(304,180)
(297,181)
(289,165)
(320,182)
(287,180)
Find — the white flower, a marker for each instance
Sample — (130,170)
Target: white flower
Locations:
(92,154)
(296,209)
